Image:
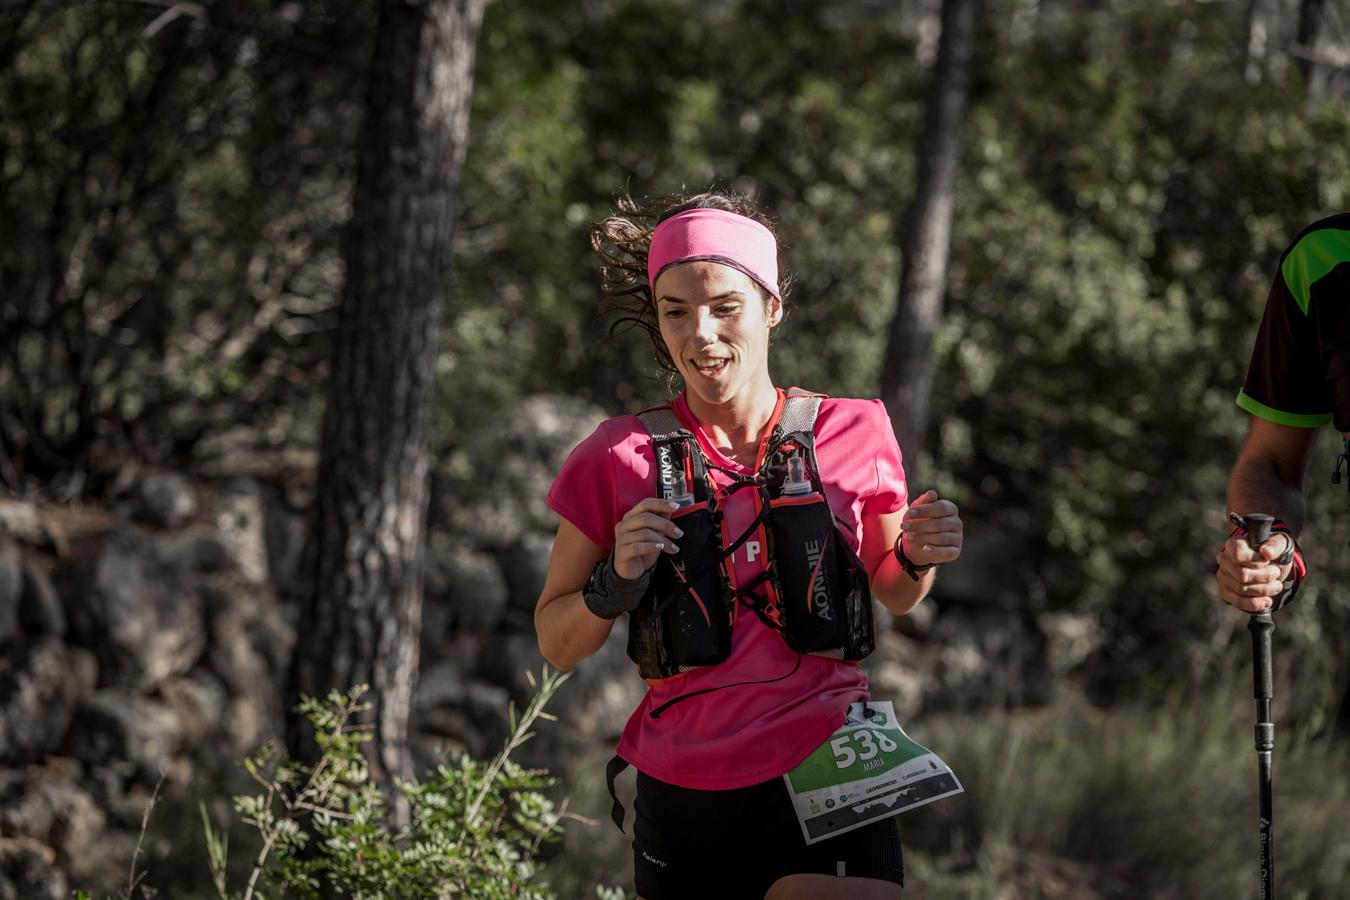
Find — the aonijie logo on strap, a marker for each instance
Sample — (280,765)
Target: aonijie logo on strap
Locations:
(666,466)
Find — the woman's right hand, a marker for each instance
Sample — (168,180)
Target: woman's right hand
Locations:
(642,535)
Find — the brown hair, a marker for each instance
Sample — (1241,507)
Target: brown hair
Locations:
(621,242)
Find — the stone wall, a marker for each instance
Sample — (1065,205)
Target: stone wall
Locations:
(151,639)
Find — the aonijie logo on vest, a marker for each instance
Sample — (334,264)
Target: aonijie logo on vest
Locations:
(667,469)
(820,591)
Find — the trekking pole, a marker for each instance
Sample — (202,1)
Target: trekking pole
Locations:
(1261,625)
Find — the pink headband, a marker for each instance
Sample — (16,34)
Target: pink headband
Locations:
(717,236)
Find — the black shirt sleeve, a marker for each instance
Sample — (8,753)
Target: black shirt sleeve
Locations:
(1286,382)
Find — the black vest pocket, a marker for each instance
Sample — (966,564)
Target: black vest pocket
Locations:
(684,621)
(822,585)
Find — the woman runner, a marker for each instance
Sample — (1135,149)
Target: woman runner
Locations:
(716,732)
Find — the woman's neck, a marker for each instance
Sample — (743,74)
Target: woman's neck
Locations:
(735,427)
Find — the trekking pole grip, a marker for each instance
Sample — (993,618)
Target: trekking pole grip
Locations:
(1258,528)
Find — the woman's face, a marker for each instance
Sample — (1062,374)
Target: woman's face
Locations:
(716,326)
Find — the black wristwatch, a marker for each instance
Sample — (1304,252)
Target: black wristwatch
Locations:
(906,563)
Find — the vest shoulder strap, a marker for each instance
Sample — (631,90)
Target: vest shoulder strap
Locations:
(800,411)
(675,449)
(662,423)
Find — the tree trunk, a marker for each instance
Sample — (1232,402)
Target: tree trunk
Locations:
(1260,19)
(907,376)
(1309,28)
(361,612)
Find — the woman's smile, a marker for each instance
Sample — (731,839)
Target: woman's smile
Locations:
(711,369)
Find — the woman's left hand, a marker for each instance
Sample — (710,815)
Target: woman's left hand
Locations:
(931,531)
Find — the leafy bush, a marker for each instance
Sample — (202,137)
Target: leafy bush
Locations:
(474,827)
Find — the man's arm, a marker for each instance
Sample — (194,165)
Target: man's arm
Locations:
(1268,478)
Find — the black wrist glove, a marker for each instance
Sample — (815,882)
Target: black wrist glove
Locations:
(608,595)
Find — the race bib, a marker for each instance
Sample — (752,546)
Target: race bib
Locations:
(869,769)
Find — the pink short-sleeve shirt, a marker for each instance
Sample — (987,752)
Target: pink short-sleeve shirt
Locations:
(742,735)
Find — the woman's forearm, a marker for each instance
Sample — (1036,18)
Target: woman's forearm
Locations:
(895,590)
(568,631)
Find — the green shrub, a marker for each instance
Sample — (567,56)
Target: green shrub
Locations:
(474,827)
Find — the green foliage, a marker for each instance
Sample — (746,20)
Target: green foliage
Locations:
(1124,194)
(179,177)
(1157,801)
(1125,197)
(474,827)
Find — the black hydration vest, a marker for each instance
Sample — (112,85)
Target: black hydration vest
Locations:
(814,590)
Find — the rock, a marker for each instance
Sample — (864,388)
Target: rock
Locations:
(441,684)
(79,821)
(204,551)
(445,731)
(465,592)
(20,521)
(11,590)
(436,619)
(249,648)
(40,611)
(21,810)
(487,707)
(49,807)
(197,701)
(593,705)
(246,723)
(39,686)
(508,658)
(83,667)
(142,612)
(210,554)
(240,522)
(525,565)
(284,532)
(165,499)
(28,871)
(504,496)
(115,724)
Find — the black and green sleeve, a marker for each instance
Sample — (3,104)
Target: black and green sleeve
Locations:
(1292,377)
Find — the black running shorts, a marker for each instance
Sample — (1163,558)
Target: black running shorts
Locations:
(733,845)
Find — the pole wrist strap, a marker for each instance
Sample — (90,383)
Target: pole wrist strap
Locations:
(1292,554)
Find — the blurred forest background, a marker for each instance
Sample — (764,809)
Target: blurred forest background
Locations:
(174,182)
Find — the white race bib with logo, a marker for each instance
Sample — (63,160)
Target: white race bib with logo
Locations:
(869,769)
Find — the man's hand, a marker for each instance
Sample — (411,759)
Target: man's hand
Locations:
(1248,579)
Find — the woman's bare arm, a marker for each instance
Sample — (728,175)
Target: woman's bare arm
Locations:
(890,584)
(934,534)
(568,632)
